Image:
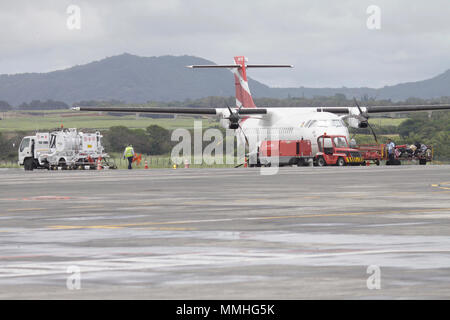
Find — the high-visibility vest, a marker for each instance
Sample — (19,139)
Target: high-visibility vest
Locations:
(129,152)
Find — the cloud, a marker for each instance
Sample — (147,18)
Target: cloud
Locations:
(327,41)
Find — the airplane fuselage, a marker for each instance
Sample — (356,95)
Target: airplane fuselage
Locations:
(290,124)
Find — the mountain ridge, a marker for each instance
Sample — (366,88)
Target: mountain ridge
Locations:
(136,79)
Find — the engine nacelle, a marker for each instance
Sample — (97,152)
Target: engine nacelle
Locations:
(357,123)
(227,124)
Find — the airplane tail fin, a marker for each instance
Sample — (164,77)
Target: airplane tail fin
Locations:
(243,96)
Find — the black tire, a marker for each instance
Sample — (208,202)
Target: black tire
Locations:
(321,162)
(62,164)
(422,161)
(377,162)
(340,162)
(28,164)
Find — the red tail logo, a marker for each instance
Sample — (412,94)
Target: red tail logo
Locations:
(243,96)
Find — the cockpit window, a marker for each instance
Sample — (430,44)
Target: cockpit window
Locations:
(337,123)
(318,123)
(324,123)
(310,123)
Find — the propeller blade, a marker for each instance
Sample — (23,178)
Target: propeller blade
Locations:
(246,140)
(373,132)
(359,108)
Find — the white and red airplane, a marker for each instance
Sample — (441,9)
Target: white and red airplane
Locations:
(253,125)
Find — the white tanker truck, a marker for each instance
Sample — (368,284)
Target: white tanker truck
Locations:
(64,149)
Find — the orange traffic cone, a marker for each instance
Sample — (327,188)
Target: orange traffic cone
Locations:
(146,165)
(186,163)
(99,166)
(245,162)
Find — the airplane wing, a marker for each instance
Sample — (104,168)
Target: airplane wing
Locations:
(407,108)
(387,109)
(191,111)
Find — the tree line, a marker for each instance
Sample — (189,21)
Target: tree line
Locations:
(155,140)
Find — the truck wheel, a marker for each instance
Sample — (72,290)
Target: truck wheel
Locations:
(62,164)
(340,162)
(321,162)
(377,162)
(28,164)
(422,161)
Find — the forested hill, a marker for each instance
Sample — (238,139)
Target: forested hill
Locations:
(134,79)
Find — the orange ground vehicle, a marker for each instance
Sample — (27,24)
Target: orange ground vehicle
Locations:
(285,152)
(373,152)
(378,152)
(334,150)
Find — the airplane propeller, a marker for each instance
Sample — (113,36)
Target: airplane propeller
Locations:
(364,117)
(234,119)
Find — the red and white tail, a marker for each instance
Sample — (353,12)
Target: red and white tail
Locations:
(243,96)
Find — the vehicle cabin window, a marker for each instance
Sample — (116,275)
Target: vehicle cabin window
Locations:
(25,143)
(340,142)
(327,143)
(327,146)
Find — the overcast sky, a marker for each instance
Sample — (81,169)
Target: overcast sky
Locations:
(328,42)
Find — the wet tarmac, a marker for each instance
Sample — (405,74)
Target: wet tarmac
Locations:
(302,233)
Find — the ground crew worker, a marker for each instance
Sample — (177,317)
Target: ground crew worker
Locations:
(391,151)
(129,154)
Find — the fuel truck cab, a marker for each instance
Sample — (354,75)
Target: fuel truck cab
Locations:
(31,148)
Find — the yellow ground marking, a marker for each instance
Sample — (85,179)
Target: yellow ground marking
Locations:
(169,229)
(146,204)
(25,209)
(62,227)
(442,185)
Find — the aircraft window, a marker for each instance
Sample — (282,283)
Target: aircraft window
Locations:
(311,123)
(322,123)
(337,123)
